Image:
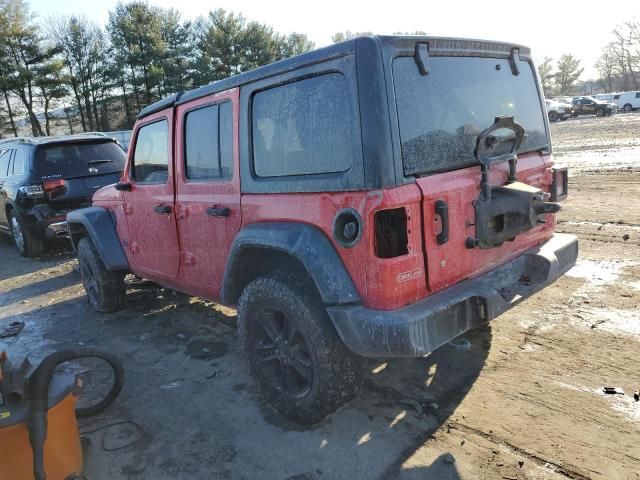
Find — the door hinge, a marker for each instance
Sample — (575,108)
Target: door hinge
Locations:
(188,260)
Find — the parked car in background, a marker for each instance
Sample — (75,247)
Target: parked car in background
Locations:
(44,178)
(592,106)
(123,137)
(558,110)
(627,101)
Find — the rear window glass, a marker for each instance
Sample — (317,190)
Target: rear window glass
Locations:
(151,154)
(441,114)
(78,159)
(303,128)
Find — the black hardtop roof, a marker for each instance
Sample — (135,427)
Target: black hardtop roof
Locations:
(85,137)
(443,45)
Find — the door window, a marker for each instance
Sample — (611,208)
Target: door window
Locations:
(208,146)
(151,154)
(5,155)
(18,163)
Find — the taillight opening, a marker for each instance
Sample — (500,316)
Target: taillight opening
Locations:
(560,184)
(391,238)
(55,188)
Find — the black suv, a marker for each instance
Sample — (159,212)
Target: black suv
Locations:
(42,179)
(592,106)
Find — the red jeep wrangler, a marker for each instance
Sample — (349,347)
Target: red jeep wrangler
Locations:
(375,198)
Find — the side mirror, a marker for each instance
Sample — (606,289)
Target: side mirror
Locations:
(123,186)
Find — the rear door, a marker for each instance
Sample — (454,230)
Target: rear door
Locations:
(440,116)
(207,189)
(152,244)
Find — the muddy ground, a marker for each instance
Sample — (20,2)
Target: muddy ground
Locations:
(524,402)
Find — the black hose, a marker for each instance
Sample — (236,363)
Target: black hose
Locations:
(39,397)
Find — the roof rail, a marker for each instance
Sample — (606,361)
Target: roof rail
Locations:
(16,139)
(84,134)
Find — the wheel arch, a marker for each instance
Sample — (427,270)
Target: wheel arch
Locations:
(261,248)
(99,225)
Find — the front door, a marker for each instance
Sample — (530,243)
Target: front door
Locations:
(207,189)
(152,244)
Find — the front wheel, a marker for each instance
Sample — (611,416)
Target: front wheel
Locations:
(627,107)
(105,288)
(294,353)
(553,116)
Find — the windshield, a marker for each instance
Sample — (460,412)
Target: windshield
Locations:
(75,159)
(441,114)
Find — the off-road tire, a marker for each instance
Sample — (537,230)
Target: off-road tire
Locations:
(27,244)
(105,288)
(627,107)
(336,372)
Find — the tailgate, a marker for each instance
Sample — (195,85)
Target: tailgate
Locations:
(78,191)
(450,262)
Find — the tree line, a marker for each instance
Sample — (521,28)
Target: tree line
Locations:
(618,66)
(92,77)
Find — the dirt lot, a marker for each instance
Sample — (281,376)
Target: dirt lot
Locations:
(525,402)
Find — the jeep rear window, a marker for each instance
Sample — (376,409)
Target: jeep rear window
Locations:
(303,128)
(441,114)
(74,159)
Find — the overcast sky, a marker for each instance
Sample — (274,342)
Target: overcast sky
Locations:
(550,28)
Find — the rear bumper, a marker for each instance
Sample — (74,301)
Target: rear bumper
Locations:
(424,326)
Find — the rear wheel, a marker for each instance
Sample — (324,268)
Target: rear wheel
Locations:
(293,351)
(627,107)
(27,244)
(105,288)
(600,112)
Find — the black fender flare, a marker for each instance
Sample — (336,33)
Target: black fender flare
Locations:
(305,243)
(100,226)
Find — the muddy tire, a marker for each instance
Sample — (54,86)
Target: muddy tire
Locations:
(105,288)
(25,242)
(293,350)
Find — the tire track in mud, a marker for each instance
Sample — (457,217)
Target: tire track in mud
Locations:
(534,457)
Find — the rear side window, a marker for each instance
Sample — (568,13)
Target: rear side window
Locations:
(208,148)
(151,155)
(302,128)
(78,159)
(18,163)
(5,155)
(637,94)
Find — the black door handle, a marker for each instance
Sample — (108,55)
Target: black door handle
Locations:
(162,209)
(442,209)
(218,211)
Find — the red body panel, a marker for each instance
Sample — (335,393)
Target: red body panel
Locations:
(378,280)
(205,240)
